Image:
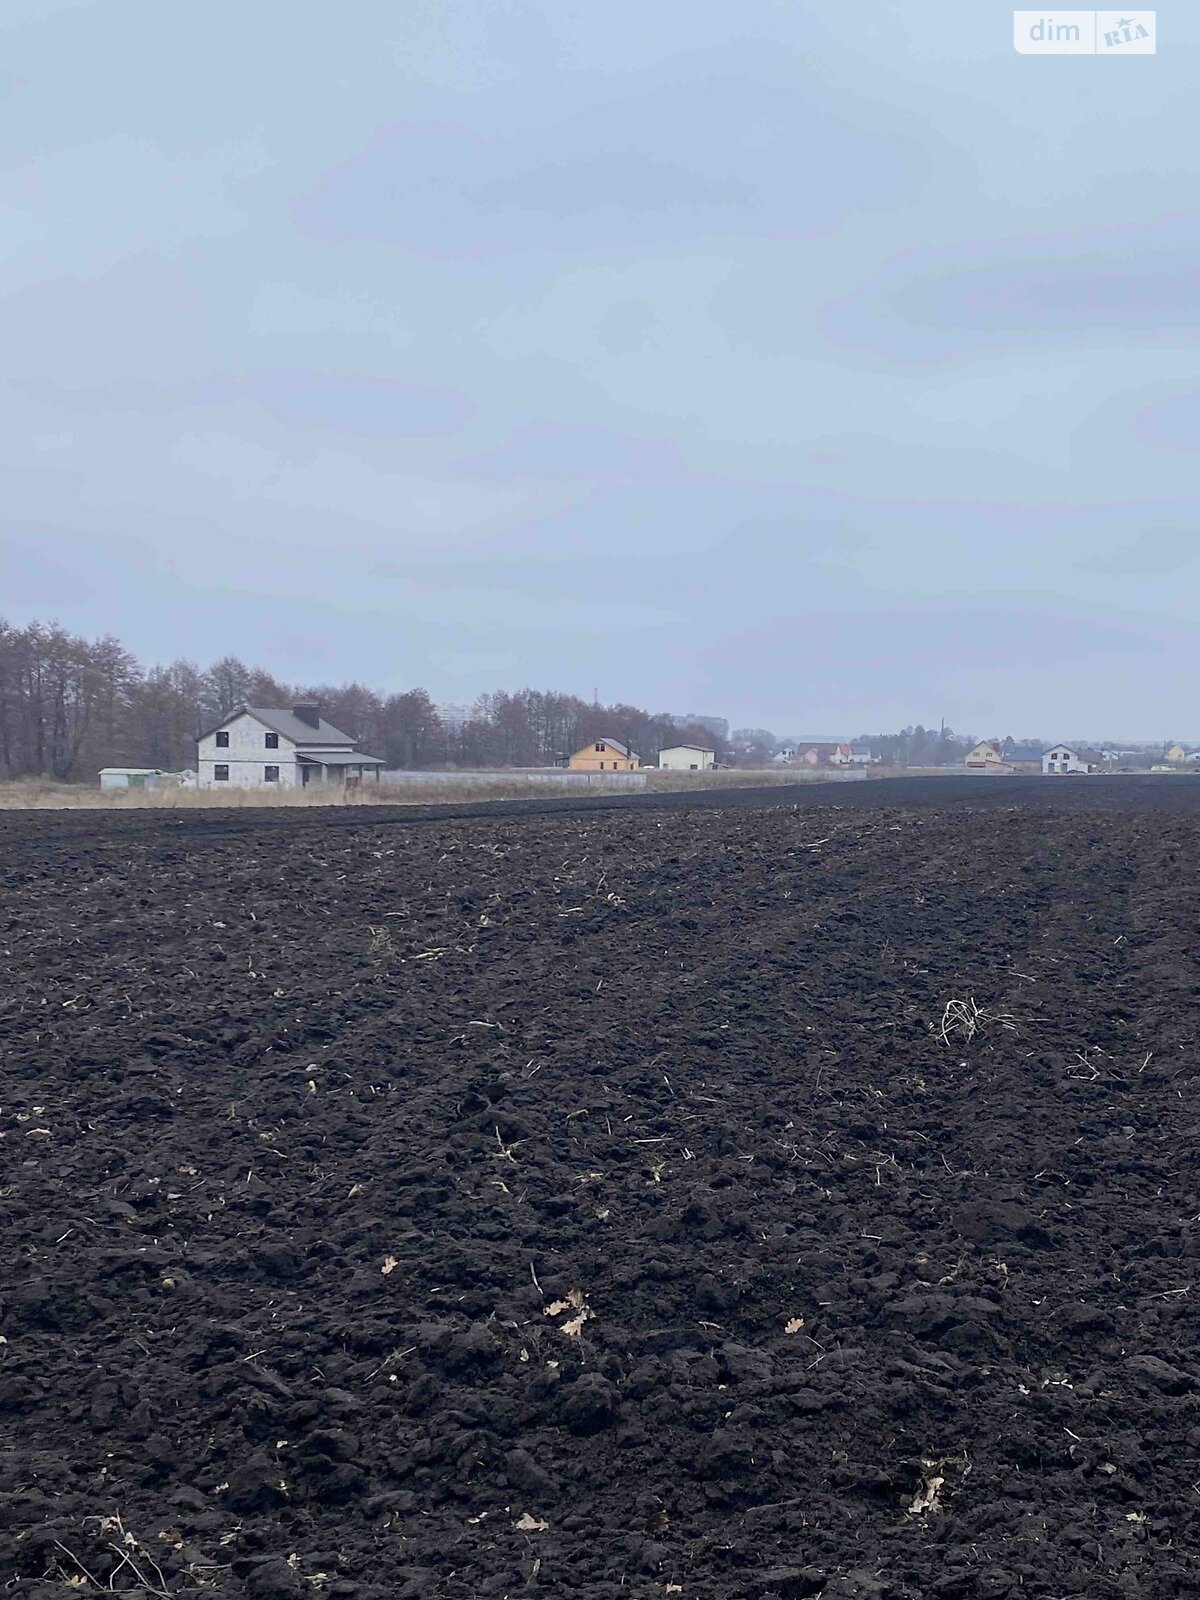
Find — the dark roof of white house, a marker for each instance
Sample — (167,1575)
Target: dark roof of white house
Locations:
(700,749)
(282,719)
(1082,752)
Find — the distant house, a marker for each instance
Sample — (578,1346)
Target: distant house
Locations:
(1063,758)
(985,757)
(860,755)
(1127,760)
(1176,752)
(821,755)
(260,745)
(1023,758)
(605,755)
(686,758)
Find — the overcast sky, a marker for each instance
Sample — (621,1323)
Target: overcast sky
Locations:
(821,365)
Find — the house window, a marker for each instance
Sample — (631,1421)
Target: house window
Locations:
(600,749)
(223,741)
(220,773)
(270,774)
(272,741)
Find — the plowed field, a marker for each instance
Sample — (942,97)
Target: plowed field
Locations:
(606,1201)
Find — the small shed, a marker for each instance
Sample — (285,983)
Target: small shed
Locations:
(129,777)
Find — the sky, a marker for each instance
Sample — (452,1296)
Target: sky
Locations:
(808,364)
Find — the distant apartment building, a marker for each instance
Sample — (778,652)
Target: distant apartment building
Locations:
(717,726)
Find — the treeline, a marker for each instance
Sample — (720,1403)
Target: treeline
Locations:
(69,706)
(918,746)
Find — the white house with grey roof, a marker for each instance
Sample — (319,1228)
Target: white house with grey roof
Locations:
(256,746)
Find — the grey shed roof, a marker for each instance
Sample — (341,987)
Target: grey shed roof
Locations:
(340,758)
(281,719)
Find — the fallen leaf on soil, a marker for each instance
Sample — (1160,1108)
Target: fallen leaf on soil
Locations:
(794,1325)
(926,1497)
(389,1265)
(576,1302)
(528,1524)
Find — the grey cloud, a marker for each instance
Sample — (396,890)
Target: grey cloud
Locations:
(1111,283)
(561,450)
(379,407)
(359,404)
(621,181)
(769,153)
(132,322)
(627,325)
(1150,555)
(1172,423)
(938,644)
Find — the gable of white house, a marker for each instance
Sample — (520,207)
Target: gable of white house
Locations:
(245,753)
(1062,758)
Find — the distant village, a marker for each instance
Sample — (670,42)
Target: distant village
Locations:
(295,746)
(1001,756)
(73,710)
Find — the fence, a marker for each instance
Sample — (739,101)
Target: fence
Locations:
(517,777)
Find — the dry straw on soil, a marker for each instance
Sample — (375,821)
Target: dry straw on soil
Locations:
(38,794)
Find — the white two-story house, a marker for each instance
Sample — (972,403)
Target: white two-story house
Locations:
(1062,758)
(258,745)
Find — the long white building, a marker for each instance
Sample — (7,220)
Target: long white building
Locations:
(686,758)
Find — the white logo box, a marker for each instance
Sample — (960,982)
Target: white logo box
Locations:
(1085,33)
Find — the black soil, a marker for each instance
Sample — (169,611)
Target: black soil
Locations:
(591,1203)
